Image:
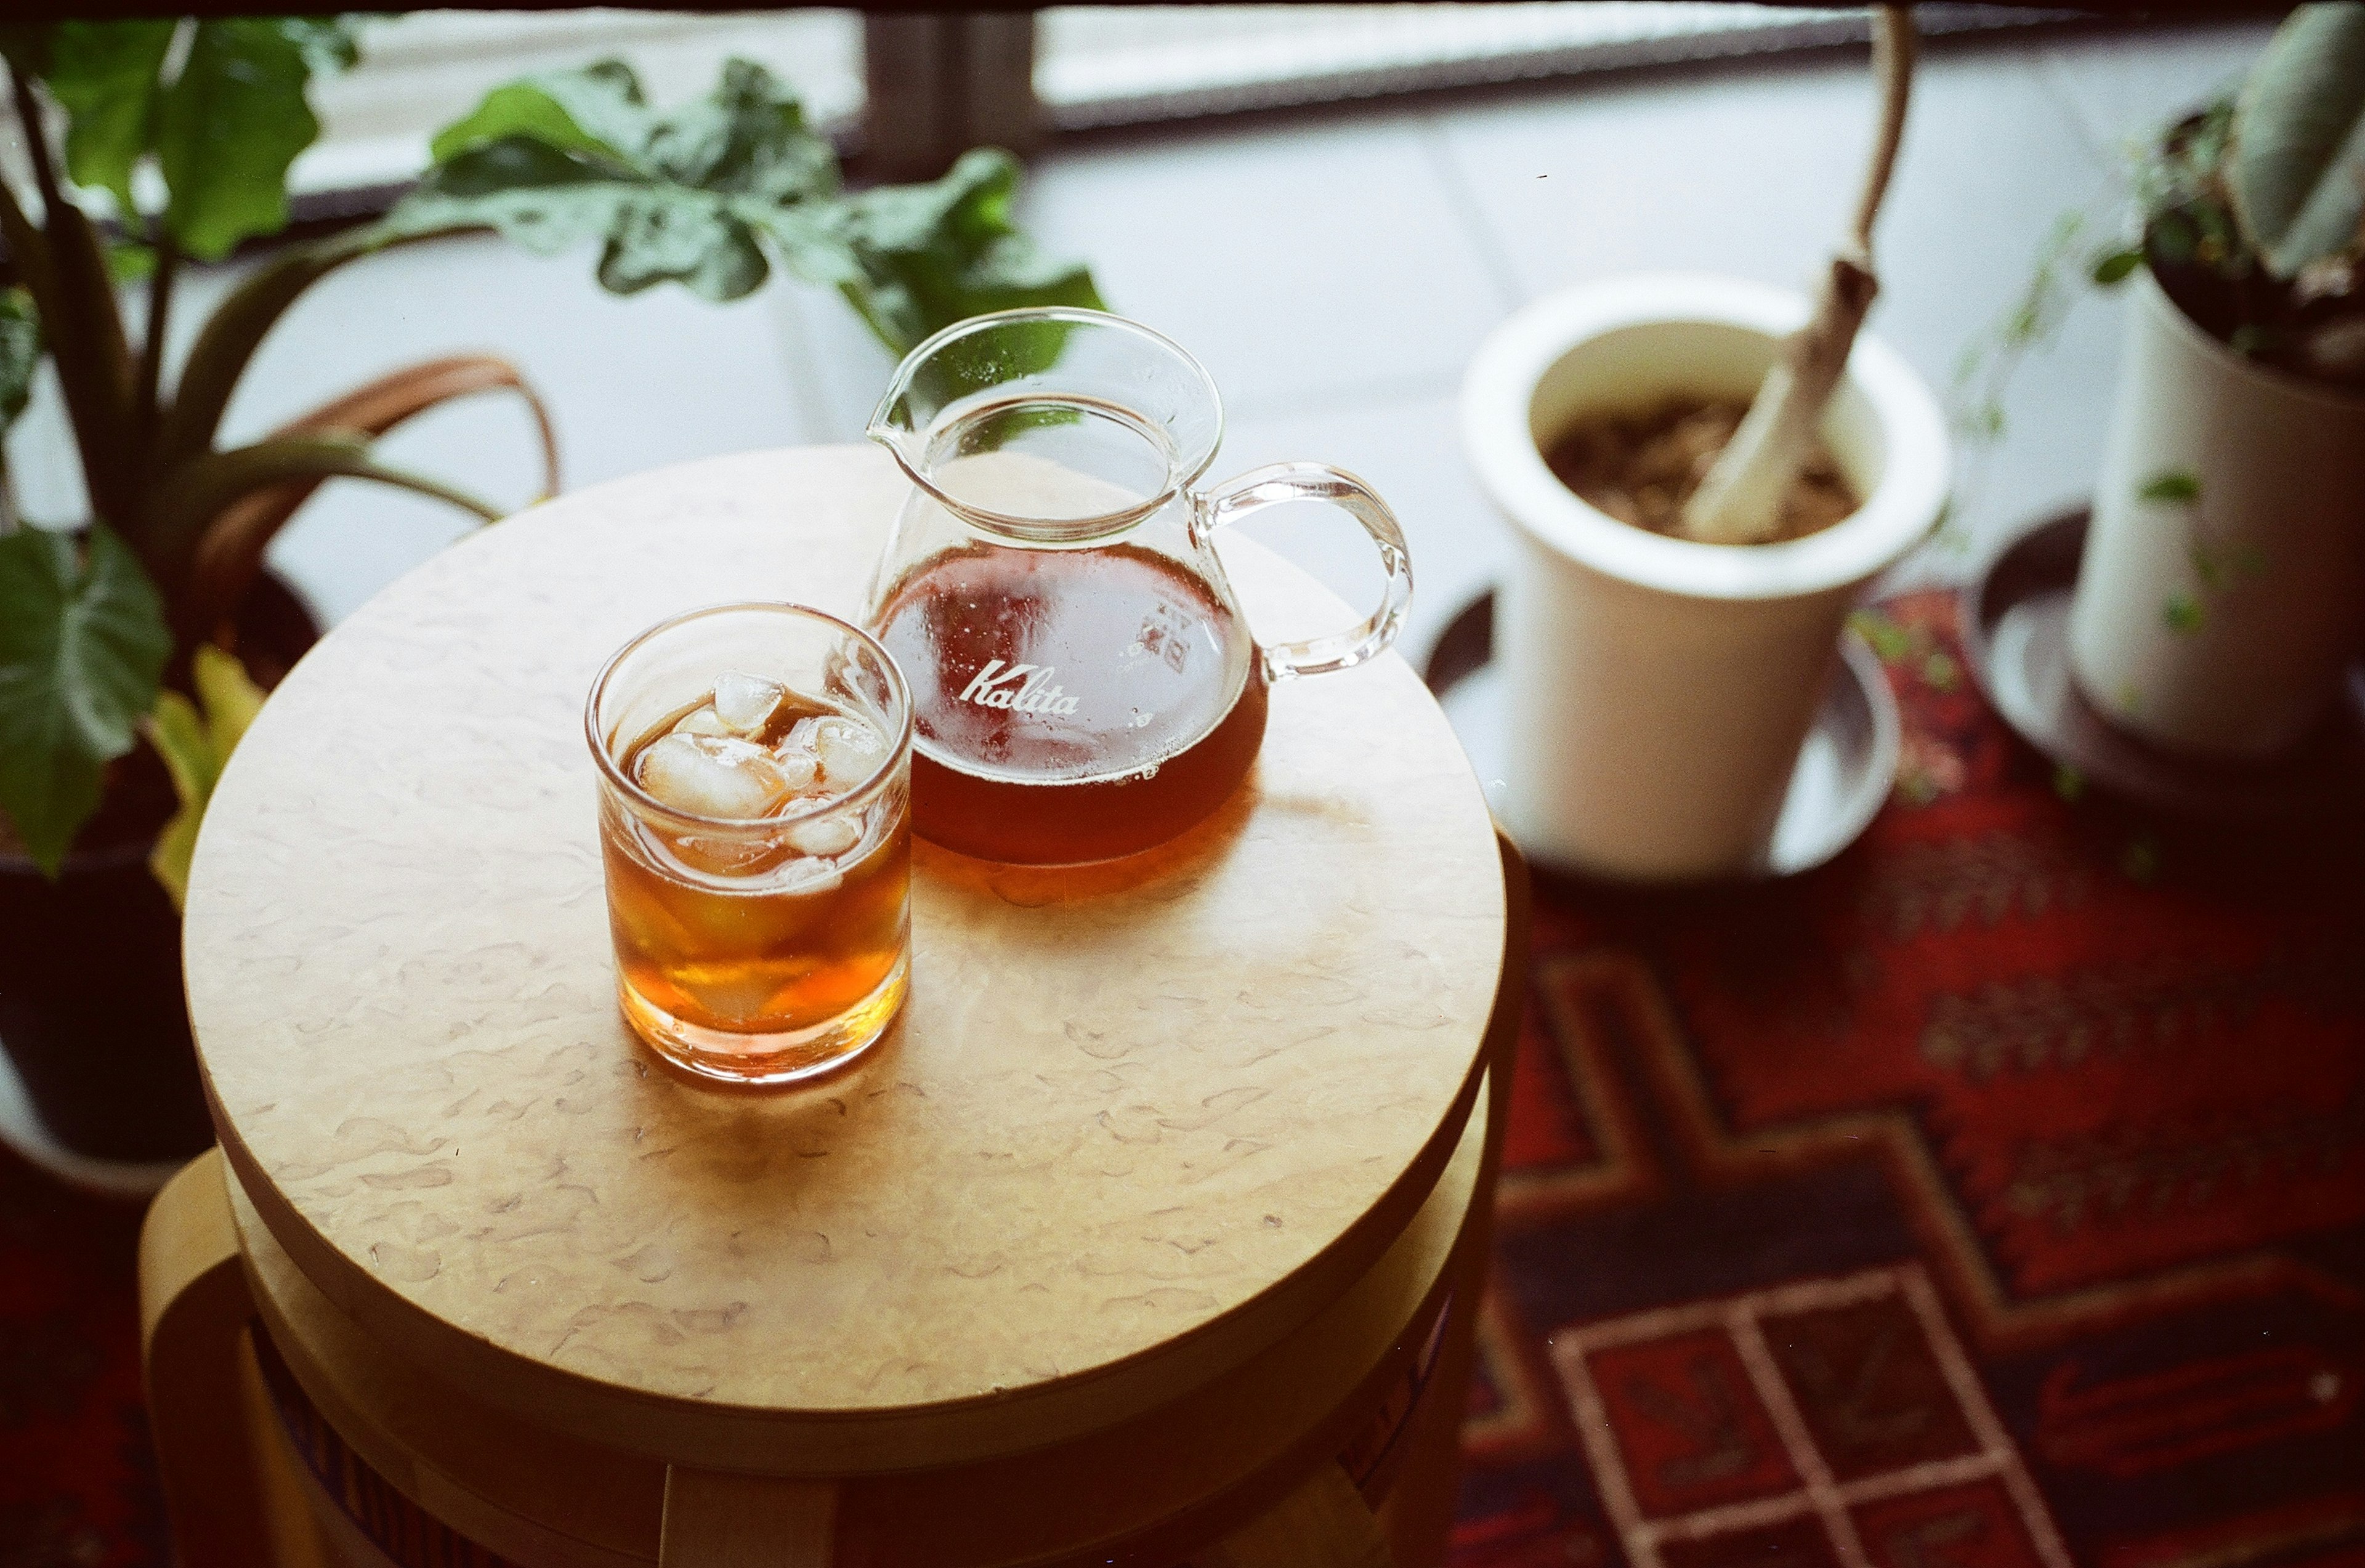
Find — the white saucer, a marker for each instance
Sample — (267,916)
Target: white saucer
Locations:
(1843,773)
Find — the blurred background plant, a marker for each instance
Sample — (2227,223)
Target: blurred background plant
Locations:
(148,144)
(2252,209)
(2250,214)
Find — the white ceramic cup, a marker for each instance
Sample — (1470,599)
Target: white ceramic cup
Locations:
(1658,691)
(2220,626)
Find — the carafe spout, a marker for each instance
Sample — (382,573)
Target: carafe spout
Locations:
(903,441)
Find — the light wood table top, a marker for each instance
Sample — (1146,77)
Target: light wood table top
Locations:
(1135,1122)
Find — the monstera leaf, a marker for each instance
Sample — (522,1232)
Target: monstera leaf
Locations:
(712,193)
(83,644)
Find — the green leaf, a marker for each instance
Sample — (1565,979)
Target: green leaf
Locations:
(20,356)
(747,138)
(179,736)
(2184,614)
(932,254)
(2115,266)
(565,158)
(2295,170)
(177,732)
(231,123)
(105,74)
(2173,486)
(82,643)
(129,262)
(231,698)
(1889,641)
(597,111)
(195,750)
(693,196)
(329,44)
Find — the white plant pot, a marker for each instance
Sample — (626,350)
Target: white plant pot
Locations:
(2222,625)
(1658,691)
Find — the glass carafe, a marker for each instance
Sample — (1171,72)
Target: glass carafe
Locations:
(1083,685)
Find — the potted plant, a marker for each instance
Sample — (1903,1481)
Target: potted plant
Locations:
(2221,598)
(1667,635)
(134,642)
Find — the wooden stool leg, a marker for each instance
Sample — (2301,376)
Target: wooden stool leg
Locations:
(193,1313)
(717,1521)
(1419,1514)
(1323,1524)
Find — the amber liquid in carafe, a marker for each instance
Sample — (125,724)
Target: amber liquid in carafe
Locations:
(1070,705)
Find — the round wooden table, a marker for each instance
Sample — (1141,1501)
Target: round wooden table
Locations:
(1141,1125)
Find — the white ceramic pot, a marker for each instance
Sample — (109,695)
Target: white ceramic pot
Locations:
(2220,624)
(1658,691)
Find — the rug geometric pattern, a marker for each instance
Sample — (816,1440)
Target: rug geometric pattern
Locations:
(2074,1097)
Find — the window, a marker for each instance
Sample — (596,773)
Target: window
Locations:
(1099,65)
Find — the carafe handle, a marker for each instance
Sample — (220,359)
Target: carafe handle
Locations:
(1281,482)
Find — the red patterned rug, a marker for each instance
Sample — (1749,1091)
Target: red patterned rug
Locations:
(1990,1198)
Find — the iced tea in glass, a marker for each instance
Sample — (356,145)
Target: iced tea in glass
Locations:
(755,765)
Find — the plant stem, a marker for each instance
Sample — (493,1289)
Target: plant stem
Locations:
(25,249)
(144,421)
(1892,62)
(1740,501)
(36,144)
(79,318)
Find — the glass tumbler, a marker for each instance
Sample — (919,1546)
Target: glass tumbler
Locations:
(754,823)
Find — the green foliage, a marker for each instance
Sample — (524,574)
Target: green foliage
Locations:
(1888,641)
(2115,266)
(2172,487)
(558,160)
(104,75)
(223,128)
(21,355)
(710,194)
(196,748)
(934,254)
(2220,249)
(1986,365)
(83,645)
(2295,166)
(713,194)
(2253,208)
(2184,614)
(230,124)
